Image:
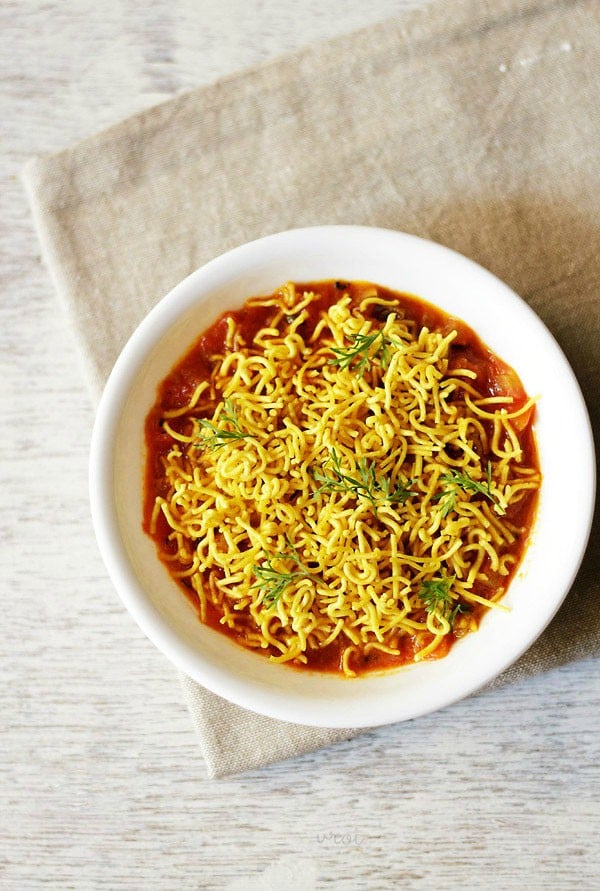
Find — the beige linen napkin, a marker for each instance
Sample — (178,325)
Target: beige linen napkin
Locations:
(472,123)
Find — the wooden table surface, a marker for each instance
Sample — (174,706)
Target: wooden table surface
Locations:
(102,783)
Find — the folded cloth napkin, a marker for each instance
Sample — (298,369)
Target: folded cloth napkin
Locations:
(473,123)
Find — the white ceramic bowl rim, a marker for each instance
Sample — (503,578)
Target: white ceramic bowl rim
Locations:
(406,263)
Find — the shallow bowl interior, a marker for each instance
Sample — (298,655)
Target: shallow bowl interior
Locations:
(503,321)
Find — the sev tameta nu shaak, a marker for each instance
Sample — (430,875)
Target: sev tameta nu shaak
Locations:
(341,477)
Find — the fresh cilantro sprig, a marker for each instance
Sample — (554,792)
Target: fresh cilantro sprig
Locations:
(399,494)
(364,349)
(458,609)
(436,597)
(435,594)
(219,436)
(273,578)
(366,484)
(457,480)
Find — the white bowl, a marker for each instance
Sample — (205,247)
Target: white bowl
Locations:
(405,263)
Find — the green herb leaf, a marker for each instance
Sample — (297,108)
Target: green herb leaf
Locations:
(399,494)
(459,609)
(273,580)
(363,351)
(456,480)
(366,485)
(435,595)
(219,436)
(447,500)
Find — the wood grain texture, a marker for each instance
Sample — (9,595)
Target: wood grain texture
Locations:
(101,781)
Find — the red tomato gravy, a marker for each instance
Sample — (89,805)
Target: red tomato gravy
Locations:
(494,378)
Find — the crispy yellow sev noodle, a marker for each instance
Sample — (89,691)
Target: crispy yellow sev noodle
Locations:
(341,484)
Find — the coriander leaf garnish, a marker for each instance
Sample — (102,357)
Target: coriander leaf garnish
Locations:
(366,485)
(456,480)
(218,436)
(399,494)
(359,356)
(447,500)
(435,595)
(459,609)
(273,581)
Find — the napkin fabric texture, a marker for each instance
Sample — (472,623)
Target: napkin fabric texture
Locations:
(475,124)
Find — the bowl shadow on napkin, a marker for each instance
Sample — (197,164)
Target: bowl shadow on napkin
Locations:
(548,253)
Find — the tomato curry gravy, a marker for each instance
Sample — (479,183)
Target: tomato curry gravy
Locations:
(341,477)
